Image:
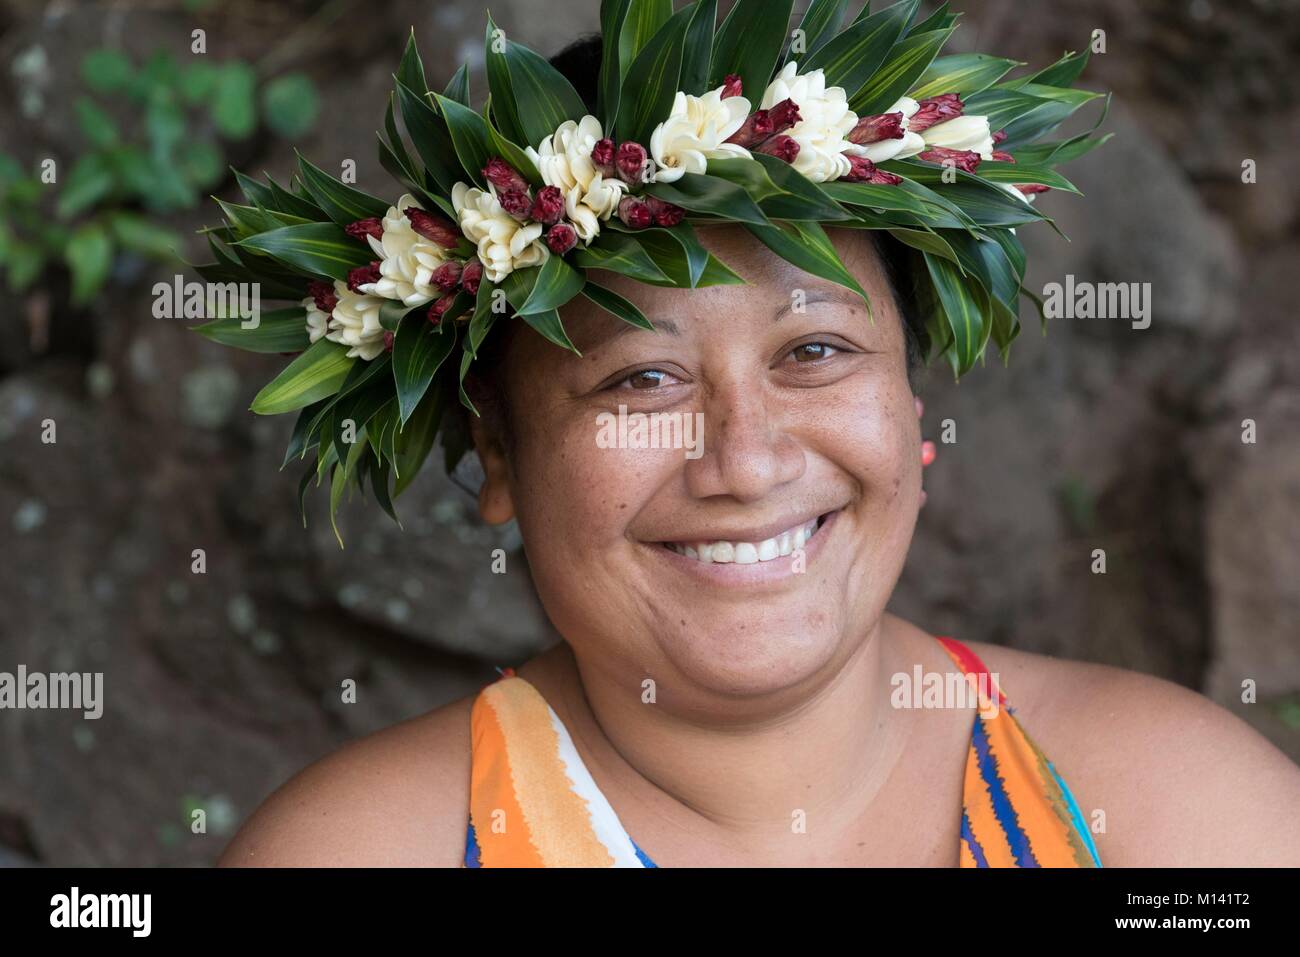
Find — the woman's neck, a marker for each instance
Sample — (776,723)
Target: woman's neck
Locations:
(808,764)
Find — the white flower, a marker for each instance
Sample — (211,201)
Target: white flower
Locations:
(504,243)
(564,161)
(962,133)
(317,321)
(824,121)
(884,150)
(406,259)
(355,322)
(695,132)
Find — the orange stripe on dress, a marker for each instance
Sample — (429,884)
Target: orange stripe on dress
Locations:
(557,823)
(492,805)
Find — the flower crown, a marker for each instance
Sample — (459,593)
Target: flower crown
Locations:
(504,210)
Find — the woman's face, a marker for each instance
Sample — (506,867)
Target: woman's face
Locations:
(807,417)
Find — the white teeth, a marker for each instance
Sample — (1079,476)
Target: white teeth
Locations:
(749,553)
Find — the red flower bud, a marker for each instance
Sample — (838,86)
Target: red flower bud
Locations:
(447,276)
(388,340)
(999,136)
(561,238)
(504,176)
(548,208)
(323,293)
(865,171)
(433,228)
(516,202)
(439,309)
(1003,157)
(363,274)
(757,127)
(630,162)
(967,160)
(782,147)
(1031,188)
(784,115)
(471,276)
(873,129)
(602,155)
(635,213)
(732,86)
(665,214)
(365,227)
(936,109)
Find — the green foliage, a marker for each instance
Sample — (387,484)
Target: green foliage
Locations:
(153,144)
(970,265)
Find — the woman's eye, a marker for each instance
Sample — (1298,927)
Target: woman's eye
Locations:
(812,351)
(646,379)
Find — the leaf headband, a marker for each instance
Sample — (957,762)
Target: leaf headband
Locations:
(503,211)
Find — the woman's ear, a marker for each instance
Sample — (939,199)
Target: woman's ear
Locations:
(494,502)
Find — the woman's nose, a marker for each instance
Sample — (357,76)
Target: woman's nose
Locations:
(747,450)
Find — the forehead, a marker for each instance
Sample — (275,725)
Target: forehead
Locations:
(772,286)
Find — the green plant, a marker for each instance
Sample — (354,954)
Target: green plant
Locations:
(157,151)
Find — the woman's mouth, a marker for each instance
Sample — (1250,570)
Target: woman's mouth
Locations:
(723,551)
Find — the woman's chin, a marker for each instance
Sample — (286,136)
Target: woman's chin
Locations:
(753,657)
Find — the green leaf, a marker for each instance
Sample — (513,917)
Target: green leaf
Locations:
(414,439)
(963,73)
(697,49)
(543,97)
(677,252)
(165,124)
(90,181)
(418,350)
(906,64)
(982,202)
(322,249)
(431,139)
(626,26)
(620,253)
(290,104)
(718,273)
(1062,73)
(314,375)
(106,71)
(1024,173)
(342,203)
(1060,151)
(497,67)
(702,193)
(25,265)
(549,325)
(853,57)
(799,197)
(233,109)
(807,246)
(615,304)
(96,125)
(458,86)
(962,309)
(651,84)
(556,284)
(410,72)
(469,137)
(749,44)
(278,331)
(88,255)
(819,24)
(258,194)
(142,235)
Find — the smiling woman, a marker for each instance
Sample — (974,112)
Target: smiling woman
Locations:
(730,688)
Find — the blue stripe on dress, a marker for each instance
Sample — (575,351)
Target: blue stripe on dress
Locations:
(1002,808)
(471,848)
(1076,816)
(968,836)
(645,860)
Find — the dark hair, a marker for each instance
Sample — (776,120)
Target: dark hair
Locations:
(579,63)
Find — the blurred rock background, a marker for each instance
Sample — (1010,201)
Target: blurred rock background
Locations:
(221,685)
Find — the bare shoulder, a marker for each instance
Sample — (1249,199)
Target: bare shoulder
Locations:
(398,797)
(1178,780)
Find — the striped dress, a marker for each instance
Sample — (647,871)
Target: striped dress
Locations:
(534,804)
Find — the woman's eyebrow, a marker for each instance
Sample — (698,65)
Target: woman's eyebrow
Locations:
(844,298)
(667,326)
